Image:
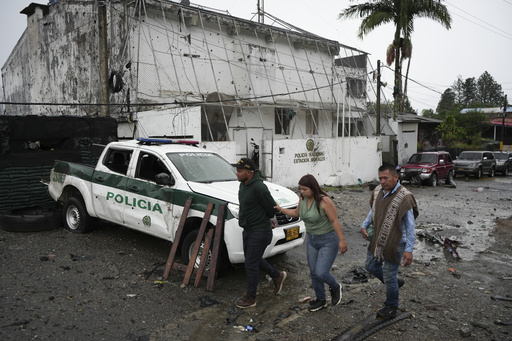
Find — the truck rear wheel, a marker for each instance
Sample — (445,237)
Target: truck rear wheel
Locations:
(76,218)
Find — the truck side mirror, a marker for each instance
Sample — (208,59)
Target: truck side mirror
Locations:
(441,162)
(164,179)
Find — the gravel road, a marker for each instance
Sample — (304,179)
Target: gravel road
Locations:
(107,285)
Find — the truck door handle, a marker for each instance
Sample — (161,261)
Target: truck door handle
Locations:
(134,188)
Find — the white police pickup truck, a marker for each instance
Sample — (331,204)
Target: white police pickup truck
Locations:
(143,185)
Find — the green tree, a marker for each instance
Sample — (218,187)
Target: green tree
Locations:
(401,13)
(469,91)
(489,91)
(473,122)
(446,103)
(428,113)
(457,88)
(450,131)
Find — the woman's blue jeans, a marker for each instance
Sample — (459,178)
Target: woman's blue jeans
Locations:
(387,273)
(255,243)
(322,251)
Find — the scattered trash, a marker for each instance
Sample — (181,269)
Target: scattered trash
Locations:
(503,323)
(76,258)
(207,301)
(501,298)
(249,328)
(452,184)
(455,274)
(131,295)
(479,189)
(159,284)
(304,299)
(449,244)
(358,274)
(158,269)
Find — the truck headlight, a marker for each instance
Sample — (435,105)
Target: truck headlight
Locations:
(234,209)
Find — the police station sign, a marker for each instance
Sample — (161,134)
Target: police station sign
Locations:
(312,155)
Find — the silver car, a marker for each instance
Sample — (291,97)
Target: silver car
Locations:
(475,163)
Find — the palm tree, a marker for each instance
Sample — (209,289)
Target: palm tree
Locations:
(400,13)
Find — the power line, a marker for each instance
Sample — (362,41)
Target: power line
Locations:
(471,21)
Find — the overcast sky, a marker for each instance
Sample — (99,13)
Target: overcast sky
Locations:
(480,39)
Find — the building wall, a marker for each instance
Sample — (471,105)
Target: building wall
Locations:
(172,59)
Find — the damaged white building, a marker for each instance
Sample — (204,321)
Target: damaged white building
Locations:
(165,69)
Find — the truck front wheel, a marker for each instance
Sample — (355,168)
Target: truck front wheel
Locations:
(76,218)
(187,247)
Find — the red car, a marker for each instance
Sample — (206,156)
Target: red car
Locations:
(428,167)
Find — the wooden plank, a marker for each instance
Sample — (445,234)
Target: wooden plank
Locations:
(219,228)
(177,237)
(204,258)
(197,244)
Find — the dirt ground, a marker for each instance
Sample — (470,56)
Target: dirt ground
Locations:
(100,286)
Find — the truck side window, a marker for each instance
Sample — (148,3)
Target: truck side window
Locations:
(118,160)
(149,166)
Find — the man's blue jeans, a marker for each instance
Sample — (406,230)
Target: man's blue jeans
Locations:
(322,251)
(255,243)
(387,273)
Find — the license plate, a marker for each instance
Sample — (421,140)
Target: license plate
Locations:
(292,233)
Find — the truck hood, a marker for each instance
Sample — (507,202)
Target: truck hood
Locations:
(228,191)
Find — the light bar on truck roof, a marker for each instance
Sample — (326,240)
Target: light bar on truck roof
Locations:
(148,140)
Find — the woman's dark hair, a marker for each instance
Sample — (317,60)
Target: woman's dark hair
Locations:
(309,181)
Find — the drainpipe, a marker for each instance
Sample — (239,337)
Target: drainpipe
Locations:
(103,56)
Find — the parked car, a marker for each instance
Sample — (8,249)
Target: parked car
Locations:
(429,167)
(475,163)
(503,162)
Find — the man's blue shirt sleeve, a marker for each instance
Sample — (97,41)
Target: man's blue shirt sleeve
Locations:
(408,233)
(368,220)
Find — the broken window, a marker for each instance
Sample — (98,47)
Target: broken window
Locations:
(354,128)
(356,87)
(283,117)
(312,122)
(117,160)
(149,166)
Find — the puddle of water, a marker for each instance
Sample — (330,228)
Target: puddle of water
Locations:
(471,239)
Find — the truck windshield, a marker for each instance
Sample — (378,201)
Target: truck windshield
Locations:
(203,167)
(423,158)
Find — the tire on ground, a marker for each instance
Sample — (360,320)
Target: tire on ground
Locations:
(30,219)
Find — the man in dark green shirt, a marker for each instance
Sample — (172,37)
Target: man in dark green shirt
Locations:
(255,214)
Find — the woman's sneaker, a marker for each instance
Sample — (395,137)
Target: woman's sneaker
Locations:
(336,295)
(317,305)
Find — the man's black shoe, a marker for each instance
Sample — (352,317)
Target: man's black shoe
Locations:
(401,282)
(387,312)
(317,305)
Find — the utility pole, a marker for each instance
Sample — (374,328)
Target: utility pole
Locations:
(261,10)
(503,122)
(377,109)
(103,60)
